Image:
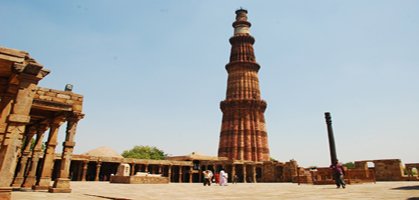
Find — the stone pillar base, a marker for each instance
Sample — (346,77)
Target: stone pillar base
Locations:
(5,193)
(29,182)
(17,182)
(61,185)
(40,188)
(44,184)
(59,190)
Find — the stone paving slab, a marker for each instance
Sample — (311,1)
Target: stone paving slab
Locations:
(242,191)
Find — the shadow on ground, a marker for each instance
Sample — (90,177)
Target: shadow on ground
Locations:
(414,187)
(105,197)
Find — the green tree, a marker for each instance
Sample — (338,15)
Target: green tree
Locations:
(43,147)
(145,152)
(349,165)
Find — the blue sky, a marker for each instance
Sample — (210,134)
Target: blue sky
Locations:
(152,72)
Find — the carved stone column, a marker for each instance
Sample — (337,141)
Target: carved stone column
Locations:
(98,165)
(244,174)
(200,175)
(233,172)
(180,174)
(159,169)
(19,109)
(190,174)
(169,173)
(48,161)
(132,169)
(18,181)
(254,173)
(5,109)
(62,183)
(85,165)
(146,168)
(30,180)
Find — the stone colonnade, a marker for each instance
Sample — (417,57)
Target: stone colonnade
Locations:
(101,168)
(26,112)
(36,160)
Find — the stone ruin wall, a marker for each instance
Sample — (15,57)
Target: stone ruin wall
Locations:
(279,172)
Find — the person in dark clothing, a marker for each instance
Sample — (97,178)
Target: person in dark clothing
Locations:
(338,174)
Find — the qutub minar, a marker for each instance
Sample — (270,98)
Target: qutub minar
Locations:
(29,112)
(243,134)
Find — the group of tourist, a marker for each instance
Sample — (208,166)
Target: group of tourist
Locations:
(220,178)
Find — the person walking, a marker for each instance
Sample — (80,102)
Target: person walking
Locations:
(207,177)
(338,174)
(223,178)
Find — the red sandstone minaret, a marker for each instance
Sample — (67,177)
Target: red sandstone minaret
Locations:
(243,134)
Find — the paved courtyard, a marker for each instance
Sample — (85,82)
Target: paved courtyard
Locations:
(105,190)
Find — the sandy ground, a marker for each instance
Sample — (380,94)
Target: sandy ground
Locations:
(105,190)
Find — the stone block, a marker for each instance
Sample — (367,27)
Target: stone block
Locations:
(5,193)
(61,185)
(75,98)
(139,180)
(44,184)
(77,108)
(51,94)
(19,118)
(47,98)
(56,99)
(123,170)
(64,96)
(44,89)
(69,101)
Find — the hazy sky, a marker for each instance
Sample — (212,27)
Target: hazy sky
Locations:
(152,72)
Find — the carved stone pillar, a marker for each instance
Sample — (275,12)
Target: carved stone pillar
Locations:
(18,181)
(159,169)
(180,174)
(98,165)
(5,109)
(19,109)
(132,169)
(244,174)
(233,172)
(190,174)
(254,173)
(85,165)
(169,173)
(30,180)
(146,168)
(48,161)
(62,183)
(200,175)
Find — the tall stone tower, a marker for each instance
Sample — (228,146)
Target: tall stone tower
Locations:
(243,134)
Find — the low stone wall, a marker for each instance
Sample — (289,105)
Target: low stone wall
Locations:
(139,179)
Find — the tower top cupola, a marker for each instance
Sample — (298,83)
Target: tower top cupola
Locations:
(241,25)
